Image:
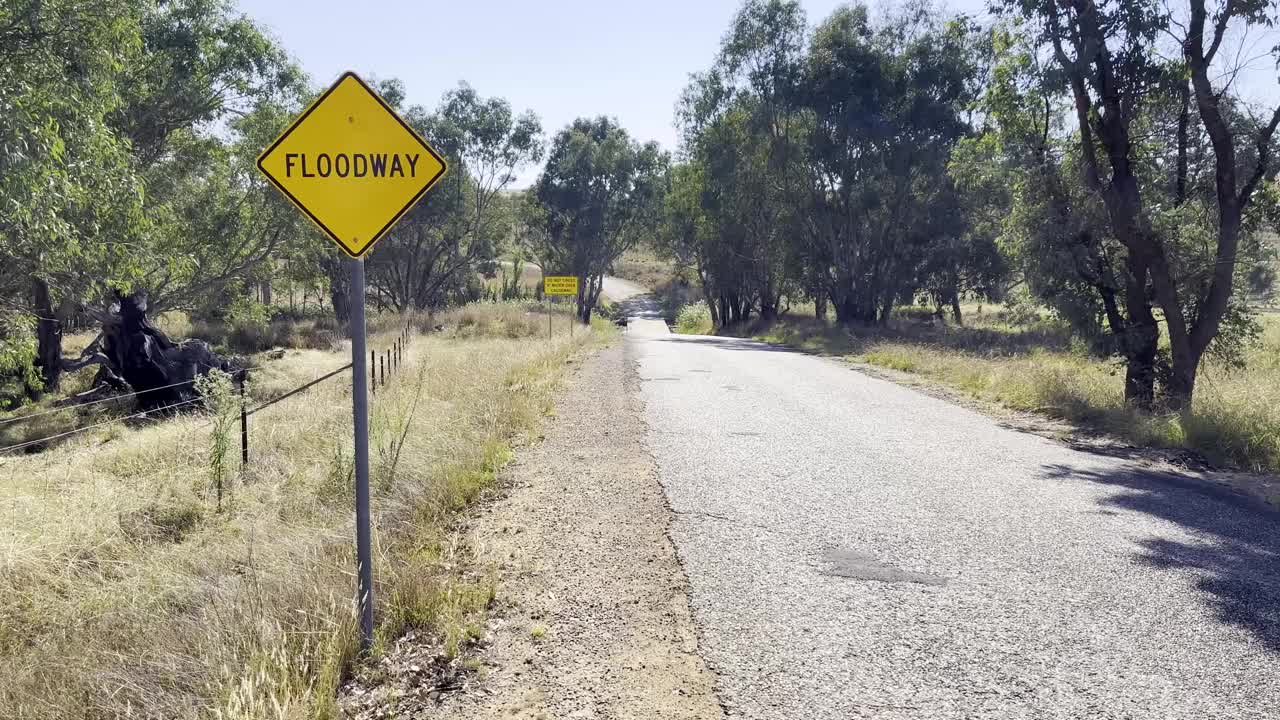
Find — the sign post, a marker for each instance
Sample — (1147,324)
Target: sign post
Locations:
(559,285)
(360,421)
(354,167)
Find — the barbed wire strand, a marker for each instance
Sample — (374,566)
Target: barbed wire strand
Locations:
(51,411)
(29,443)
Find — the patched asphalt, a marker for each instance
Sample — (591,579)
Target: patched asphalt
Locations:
(856,549)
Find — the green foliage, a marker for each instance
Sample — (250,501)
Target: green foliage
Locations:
(694,319)
(431,258)
(70,199)
(817,165)
(17,355)
(245,311)
(114,174)
(598,195)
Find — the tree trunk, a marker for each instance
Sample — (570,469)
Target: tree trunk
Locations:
(769,309)
(955,309)
(265,289)
(340,296)
(709,298)
(1140,370)
(48,338)
(849,310)
(1141,337)
(1184,123)
(587,302)
(820,306)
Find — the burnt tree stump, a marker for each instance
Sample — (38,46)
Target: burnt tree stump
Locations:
(135,352)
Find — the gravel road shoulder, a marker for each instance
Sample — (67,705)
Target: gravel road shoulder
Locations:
(592,616)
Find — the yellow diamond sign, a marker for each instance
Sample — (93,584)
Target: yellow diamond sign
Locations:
(352,165)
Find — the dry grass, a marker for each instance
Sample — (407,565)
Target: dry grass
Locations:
(511,319)
(642,266)
(530,276)
(1235,419)
(125,593)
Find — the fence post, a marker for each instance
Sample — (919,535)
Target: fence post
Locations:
(373,371)
(244,426)
(382,369)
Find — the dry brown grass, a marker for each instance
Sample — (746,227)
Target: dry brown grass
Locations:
(530,276)
(642,266)
(125,593)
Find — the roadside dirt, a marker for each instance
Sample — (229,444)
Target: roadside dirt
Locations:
(591,617)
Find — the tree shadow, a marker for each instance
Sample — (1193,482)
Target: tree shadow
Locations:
(726,343)
(641,306)
(825,337)
(1236,563)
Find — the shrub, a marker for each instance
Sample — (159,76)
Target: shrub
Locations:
(694,319)
(219,396)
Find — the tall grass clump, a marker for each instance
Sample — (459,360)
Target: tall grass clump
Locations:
(220,399)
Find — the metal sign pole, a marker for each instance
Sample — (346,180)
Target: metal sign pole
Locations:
(360,416)
(544,292)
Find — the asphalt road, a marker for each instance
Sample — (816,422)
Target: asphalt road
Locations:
(857,549)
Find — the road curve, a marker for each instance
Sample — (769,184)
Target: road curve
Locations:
(856,549)
(618,289)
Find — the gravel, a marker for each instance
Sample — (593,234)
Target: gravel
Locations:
(858,549)
(592,617)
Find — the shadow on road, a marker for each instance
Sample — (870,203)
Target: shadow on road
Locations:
(644,307)
(1236,564)
(729,343)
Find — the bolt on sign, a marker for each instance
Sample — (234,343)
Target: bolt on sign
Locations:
(352,165)
(560,285)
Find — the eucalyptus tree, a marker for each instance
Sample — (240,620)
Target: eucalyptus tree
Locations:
(1181,244)
(220,226)
(599,193)
(885,105)
(740,126)
(70,200)
(822,161)
(106,109)
(1018,176)
(432,255)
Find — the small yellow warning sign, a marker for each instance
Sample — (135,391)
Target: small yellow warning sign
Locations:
(560,285)
(352,165)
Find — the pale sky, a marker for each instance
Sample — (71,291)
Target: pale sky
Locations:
(560,58)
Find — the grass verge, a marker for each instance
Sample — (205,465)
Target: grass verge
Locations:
(1235,419)
(124,592)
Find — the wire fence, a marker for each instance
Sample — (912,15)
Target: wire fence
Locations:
(382,363)
(77,406)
